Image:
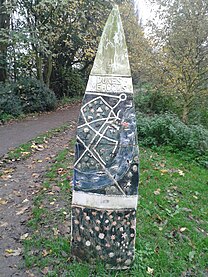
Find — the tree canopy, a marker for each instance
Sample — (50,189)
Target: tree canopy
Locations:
(55,42)
(176,63)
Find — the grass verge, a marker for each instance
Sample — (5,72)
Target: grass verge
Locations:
(172,235)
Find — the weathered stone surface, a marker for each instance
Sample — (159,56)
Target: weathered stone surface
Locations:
(112,55)
(106,163)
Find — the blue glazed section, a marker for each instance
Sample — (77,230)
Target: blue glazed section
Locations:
(106,149)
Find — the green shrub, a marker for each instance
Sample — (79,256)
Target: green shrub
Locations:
(25,96)
(71,84)
(150,102)
(35,96)
(167,129)
(10,103)
(199,114)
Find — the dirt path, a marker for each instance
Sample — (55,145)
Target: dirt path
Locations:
(20,182)
(12,135)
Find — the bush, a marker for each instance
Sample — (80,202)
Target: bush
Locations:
(167,129)
(199,114)
(35,96)
(10,103)
(26,96)
(152,102)
(74,84)
(71,83)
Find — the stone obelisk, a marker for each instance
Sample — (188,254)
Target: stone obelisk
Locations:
(106,161)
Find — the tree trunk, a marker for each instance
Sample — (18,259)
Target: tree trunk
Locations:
(3,71)
(4,27)
(39,67)
(48,70)
(185,113)
(15,71)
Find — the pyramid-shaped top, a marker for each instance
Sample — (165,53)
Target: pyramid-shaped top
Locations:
(112,55)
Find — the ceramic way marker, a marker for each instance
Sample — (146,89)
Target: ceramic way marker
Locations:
(105,190)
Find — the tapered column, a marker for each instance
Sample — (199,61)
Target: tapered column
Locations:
(105,188)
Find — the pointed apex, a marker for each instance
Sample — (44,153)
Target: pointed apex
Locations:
(115,6)
(112,55)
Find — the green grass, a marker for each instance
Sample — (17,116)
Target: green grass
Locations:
(172,227)
(4,117)
(25,150)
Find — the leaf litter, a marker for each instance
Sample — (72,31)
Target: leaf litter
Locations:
(22,184)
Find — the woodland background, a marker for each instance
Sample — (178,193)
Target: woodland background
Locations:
(47,49)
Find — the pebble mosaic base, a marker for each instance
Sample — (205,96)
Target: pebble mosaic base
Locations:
(110,238)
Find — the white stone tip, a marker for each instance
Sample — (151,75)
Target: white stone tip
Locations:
(112,55)
(115,6)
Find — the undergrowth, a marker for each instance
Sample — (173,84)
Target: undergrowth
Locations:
(167,130)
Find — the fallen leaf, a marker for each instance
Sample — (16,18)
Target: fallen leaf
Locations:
(150,270)
(3,201)
(56,188)
(25,200)
(4,224)
(157,192)
(22,210)
(38,147)
(61,171)
(17,193)
(55,231)
(164,171)
(9,170)
(46,253)
(12,252)
(182,229)
(174,187)
(45,270)
(6,177)
(35,175)
(9,251)
(24,236)
(159,218)
(25,153)
(181,173)
(29,274)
